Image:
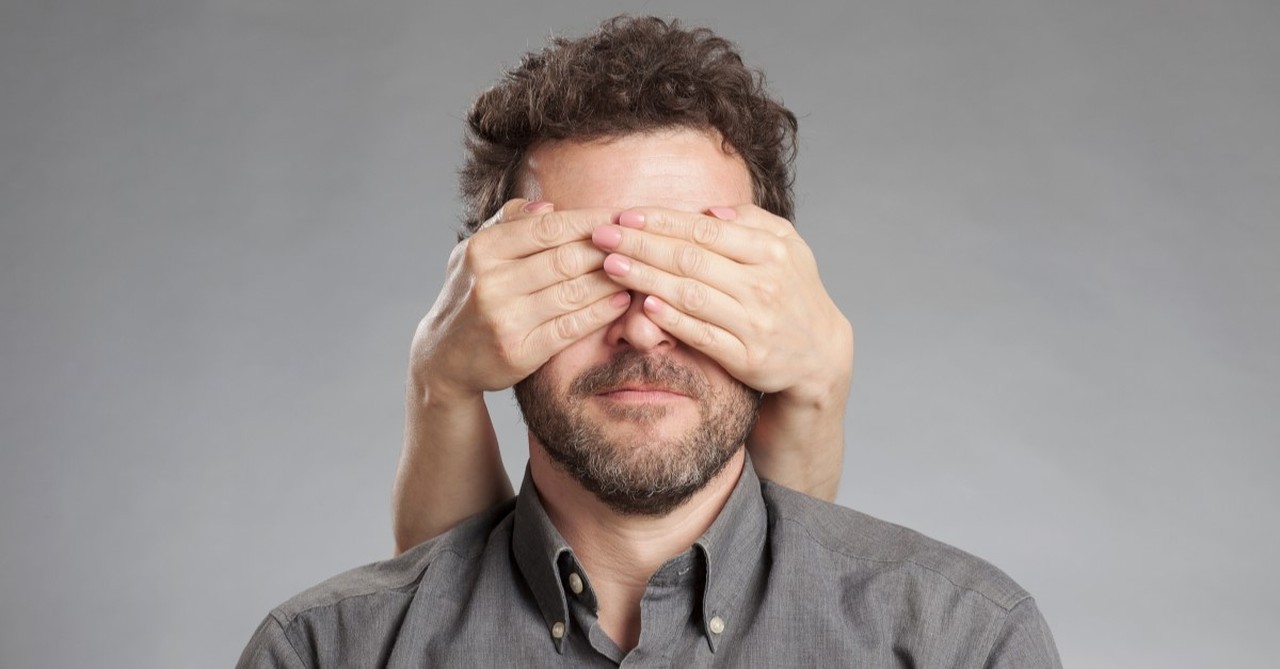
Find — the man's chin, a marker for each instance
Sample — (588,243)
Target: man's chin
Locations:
(643,476)
(642,449)
(676,413)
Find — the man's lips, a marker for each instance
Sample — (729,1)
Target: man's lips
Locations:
(641,392)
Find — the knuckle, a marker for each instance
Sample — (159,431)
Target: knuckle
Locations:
(672,318)
(458,256)
(492,324)
(764,327)
(508,351)
(757,360)
(689,260)
(656,220)
(498,217)
(469,251)
(548,229)
(692,296)
(702,335)
(768,290)
(572,293)
(636,245)
(567,327)
(775,250)
(511,209)
(706,231)
(477,252)
(566,262)
(482,294)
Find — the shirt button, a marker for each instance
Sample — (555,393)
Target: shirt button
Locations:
(557,631)
(716,624)
(575,583)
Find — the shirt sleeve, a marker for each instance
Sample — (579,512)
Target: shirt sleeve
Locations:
(1025,641)
(269,648)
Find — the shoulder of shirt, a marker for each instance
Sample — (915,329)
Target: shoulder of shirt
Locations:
(885,545)
(398,576)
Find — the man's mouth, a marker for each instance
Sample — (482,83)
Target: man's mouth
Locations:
(641,392)
(636,378)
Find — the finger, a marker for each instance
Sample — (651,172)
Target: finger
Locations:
(690,296)
(554,335)
(731,239)
(673,256)
(568,296)
(530,274)
(754,216)
(716,342)
(523,234)
(508,211)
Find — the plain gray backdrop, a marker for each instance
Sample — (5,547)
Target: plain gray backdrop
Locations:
(1054,226)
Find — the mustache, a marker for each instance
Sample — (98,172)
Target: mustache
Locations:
(632,367)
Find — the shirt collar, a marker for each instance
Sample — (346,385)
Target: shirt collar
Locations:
(731,551)
(732,548)
(539,549)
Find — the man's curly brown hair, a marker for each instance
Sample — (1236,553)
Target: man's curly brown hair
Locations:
(632,75)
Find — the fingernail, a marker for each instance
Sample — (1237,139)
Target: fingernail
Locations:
(631,219)
(535,207)
(723,213)
(652,304)
(620,300)
(608,236)
(617,265)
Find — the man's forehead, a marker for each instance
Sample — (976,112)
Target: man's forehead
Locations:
(677,168)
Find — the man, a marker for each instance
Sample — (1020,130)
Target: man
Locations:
(642,533)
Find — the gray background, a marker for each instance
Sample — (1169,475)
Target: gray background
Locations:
(1054,226)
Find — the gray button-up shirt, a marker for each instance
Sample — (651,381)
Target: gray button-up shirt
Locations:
(780,579)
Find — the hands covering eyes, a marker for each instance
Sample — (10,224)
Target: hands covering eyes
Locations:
(736,283)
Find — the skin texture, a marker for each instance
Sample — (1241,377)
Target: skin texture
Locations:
(733,284)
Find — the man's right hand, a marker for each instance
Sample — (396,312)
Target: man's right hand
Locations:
(527,284)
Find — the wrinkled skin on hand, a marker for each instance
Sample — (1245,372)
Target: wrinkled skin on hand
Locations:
(518,291)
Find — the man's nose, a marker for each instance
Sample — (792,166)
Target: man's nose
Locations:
(634,329)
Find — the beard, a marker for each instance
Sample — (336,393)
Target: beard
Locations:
(650,473)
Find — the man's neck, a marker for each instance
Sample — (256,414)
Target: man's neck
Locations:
(621,552)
